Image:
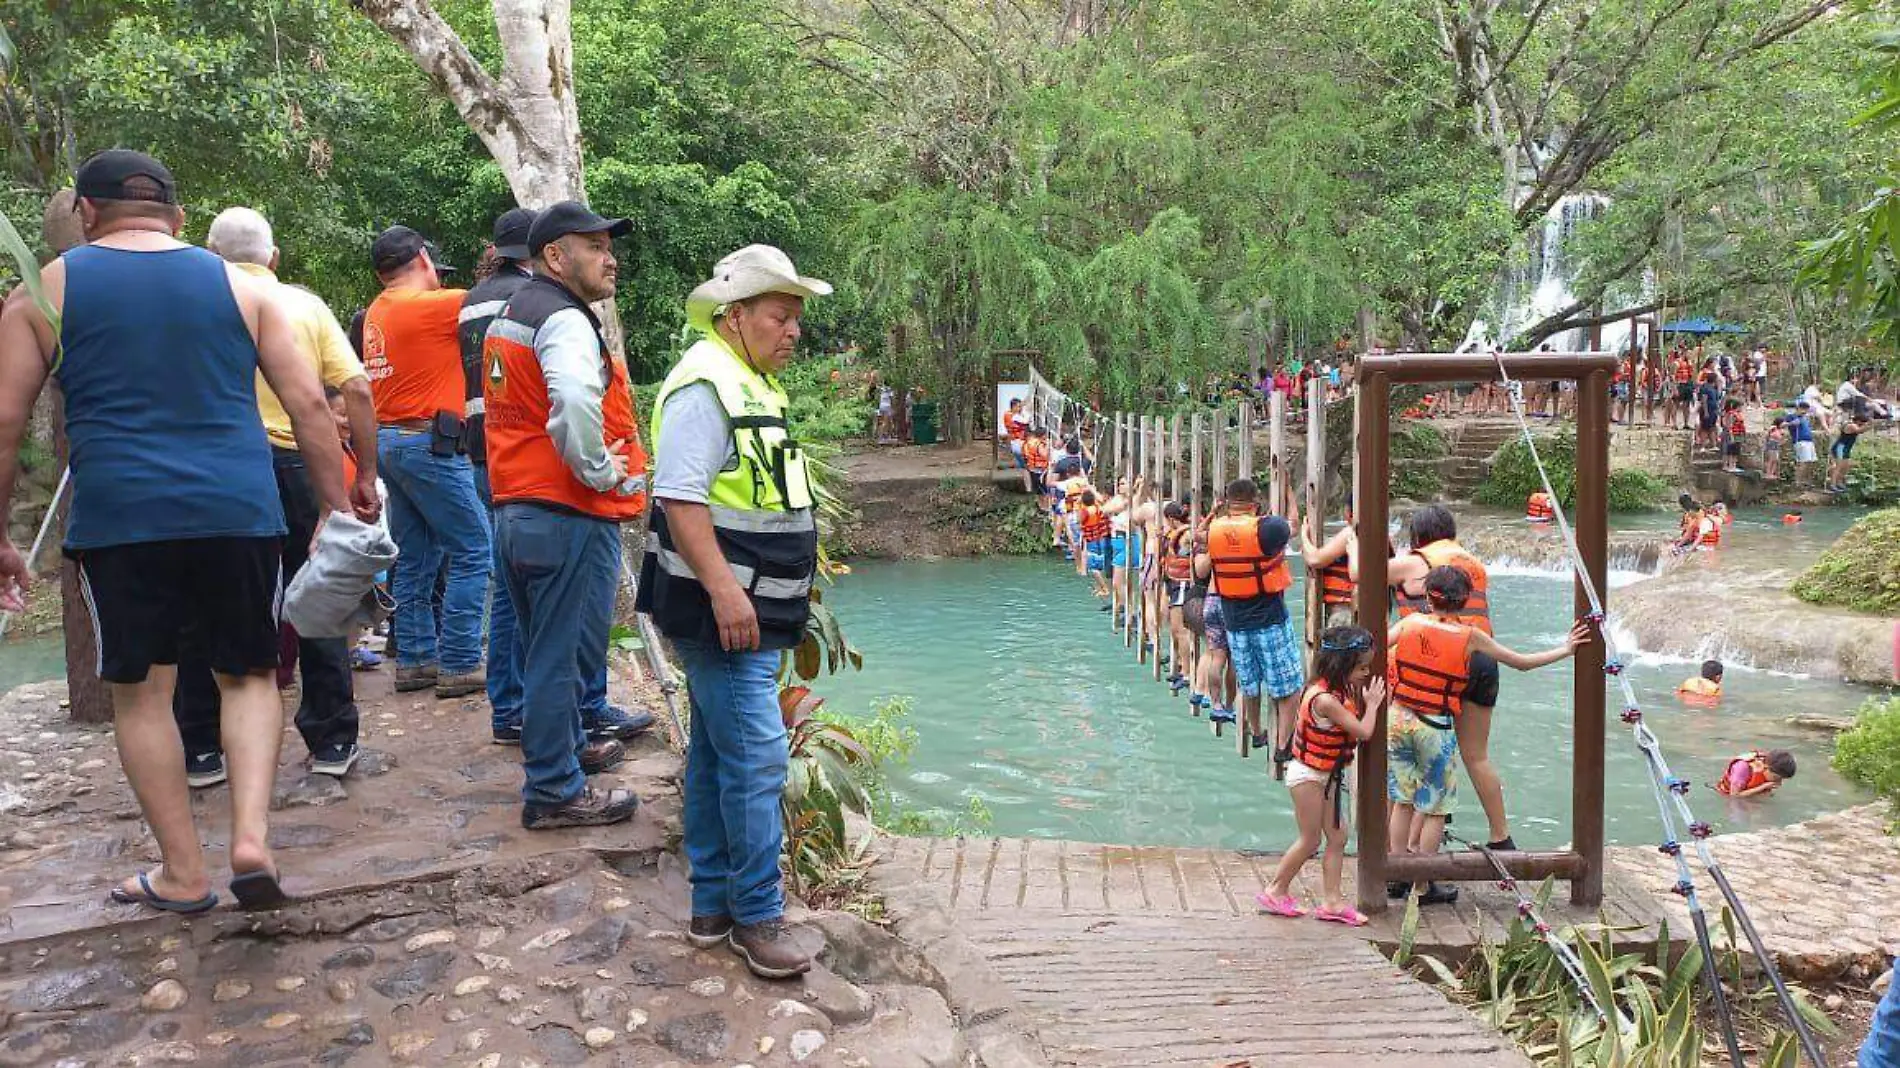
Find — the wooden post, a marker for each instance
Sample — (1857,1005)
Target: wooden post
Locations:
(1277,490)
(1219,463)
(1243,445)
(1592,520)
(1315,504)
(1163,634)
(1131,592)
(1369,511)
(1196,491)
(1174,457)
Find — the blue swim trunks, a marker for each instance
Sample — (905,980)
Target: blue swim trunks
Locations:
(1118,550)
(1421,762)
(1098,555)
(1267,660)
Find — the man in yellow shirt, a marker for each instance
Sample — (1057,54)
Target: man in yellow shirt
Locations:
(326,713)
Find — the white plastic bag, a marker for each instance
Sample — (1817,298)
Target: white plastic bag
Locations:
(334,593)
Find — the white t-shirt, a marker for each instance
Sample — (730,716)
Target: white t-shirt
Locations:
(1847,392)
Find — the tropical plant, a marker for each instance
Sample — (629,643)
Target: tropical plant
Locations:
(823,781)
(1869,754)
(1513,477)
(1653,1004)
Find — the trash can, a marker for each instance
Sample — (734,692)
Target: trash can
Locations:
(923,422)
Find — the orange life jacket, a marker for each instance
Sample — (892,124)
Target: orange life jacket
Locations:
(1477,609)
(1431,665)
(1756,775)
(1242,569)
(523,462)
(1685,372)
(1095,523)
(1016,425)
(1177,561)
(1036,455)
(1791,518)
(1539,509)
(1700,687)
(1072,493)
(1325,748)
(1711,533)
(1335,582)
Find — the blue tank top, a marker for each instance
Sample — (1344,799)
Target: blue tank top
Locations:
(160,377)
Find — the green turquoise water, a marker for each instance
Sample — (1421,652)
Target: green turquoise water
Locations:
(1022,697)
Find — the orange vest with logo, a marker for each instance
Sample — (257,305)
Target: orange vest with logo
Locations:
(1036,455)
(1477,609)
(1242,569)
(523,462)
(1539,509)
(1756,776)
(1322,748)
(1095,523)
(1431,665)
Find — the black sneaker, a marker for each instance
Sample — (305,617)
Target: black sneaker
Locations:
(509,735)
(1502,845)
(614,723)
(589,808)
(204,769)
(1397,891)
(597,757)
(1438,895)
(334,760)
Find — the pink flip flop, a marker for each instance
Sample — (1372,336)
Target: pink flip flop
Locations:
(1279,906)
(1349,916)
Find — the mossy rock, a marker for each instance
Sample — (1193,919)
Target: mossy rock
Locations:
(1860,571)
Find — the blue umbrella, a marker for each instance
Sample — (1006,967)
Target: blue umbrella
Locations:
(1703,325)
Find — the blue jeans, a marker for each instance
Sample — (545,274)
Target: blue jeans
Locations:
(434,514)
(1882,1048)
(504,641)
(555,564)
(735,771)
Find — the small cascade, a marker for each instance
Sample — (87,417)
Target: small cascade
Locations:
(1540,284)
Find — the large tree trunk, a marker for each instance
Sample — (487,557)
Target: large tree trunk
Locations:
(527,118)
(88,696)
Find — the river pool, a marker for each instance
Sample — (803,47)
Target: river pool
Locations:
(1022,698)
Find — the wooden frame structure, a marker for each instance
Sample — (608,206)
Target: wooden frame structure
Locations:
(1582,863)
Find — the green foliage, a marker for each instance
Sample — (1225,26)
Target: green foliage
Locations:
(1417,449)
(1861,570)
(1869,754)
(824,410)
(1875,477)
(1513,477)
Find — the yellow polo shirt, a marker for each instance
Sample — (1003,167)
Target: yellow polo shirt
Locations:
(321,340)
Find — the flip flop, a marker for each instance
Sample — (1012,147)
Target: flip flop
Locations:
(256,890)
(151,898)
(1349,916)
(1279,906)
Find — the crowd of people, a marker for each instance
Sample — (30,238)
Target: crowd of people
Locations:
(222,423)
(1214,591)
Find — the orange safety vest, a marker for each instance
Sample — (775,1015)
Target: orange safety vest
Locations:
(1036,455)
(1477,609)
(1095,524)
(1700,687)
(1177,561)
(1335,583)
(1016,425)
(523,463)
(1539,509)
(1756,776)
(1431,665)
(1685,372)
(1242,569)
(1322,748)
(1711,533)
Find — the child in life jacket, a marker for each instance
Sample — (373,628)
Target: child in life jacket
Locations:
(1539,508)
(1094,524)
(1177,577)
(1755,774)
(1337,711)
(1430,670)
(1705,688)
(1771,450)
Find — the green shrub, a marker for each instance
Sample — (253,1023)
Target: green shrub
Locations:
(1513,477)
(1869,754)
(1860,571)
(1875,476)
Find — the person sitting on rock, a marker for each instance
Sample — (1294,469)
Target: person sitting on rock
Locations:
(1755,773)
(1704,689)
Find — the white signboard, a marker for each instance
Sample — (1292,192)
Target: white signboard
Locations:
(1006,392)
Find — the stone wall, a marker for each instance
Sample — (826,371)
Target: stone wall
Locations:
(1663,453)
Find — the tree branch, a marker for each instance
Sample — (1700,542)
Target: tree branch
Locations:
(438,49)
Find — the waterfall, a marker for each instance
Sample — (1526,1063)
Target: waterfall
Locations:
(1540,284)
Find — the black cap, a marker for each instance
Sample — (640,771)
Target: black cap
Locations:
(395,247)
(570,217)
(511,233)
(104,176)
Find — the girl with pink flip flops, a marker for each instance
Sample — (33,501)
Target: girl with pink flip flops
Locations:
(1336,713)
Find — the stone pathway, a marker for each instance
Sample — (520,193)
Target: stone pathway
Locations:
(1157,957)
(1824,894)
(430,928)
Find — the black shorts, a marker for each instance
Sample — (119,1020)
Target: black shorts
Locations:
(1482,688)
(216,600)
(1843,447)
(1036,484)
(1685,392)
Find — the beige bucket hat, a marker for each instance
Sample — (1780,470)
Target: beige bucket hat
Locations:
(747,273)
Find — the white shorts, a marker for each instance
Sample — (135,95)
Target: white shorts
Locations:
(1804,452)
(1298,772)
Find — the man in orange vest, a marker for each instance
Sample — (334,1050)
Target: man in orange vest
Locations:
(414,360)
(1246,552)
(566,468)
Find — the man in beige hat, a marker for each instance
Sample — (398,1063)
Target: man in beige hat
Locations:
(731,552)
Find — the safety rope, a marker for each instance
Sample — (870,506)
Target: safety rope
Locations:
(1671,792)
(1566,957)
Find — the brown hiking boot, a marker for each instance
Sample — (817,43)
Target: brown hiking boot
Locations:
(462,685)
(709,931)
(597,757)
(589,808)
(411,679)
(771,949)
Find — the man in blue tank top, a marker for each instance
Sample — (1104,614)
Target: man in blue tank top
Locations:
(175,522)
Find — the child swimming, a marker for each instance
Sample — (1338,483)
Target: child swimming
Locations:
(1755,773)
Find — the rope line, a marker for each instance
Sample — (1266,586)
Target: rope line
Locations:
(1671,792)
